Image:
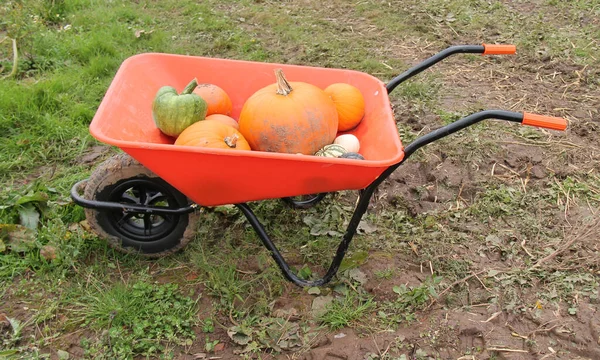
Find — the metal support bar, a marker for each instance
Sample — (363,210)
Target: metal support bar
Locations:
(94,204)
(361,207)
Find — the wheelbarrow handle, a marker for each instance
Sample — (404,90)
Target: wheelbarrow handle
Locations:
(484,49)
(525,118)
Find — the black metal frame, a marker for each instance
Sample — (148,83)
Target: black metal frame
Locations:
(364,194)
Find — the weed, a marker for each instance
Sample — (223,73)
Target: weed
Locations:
(385,273)
(410,299)
(346,310)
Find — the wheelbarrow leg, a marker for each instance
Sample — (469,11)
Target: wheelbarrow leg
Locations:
(361,207)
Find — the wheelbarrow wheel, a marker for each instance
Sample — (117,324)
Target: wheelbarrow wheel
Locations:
(304,201)
(123,179)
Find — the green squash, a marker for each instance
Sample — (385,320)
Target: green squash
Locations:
(352,155)
(173,112)
(331,150)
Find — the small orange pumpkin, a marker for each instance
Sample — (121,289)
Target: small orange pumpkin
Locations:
(212,134)
(294,117)
(217,99)
(227,120)
(349,103)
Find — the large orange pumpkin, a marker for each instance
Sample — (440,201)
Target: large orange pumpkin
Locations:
(217,99)
(349,103)
(212,134)
(289,117)
(227,120)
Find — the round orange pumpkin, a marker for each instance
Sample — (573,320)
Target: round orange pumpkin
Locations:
(212,134)
(227,120)
(217,99)
(289,117)
(349,103)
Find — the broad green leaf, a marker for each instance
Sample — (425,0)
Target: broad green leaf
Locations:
(35,197)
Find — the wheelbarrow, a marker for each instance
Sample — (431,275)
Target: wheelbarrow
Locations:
(146,199)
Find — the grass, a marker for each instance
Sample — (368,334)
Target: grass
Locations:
(225,288)
(346,311)
(141,318)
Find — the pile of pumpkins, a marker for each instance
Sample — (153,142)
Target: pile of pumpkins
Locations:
(284,117)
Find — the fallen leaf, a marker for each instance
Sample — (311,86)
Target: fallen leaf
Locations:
(315,290)
(320,303)
(48,252)
(365,228)
(62,355)
(290,313)
(84,224)
(4,323)
(191,276)
(358,275)
(239,336)
(219,347)
(29,216)
(341,289)
(492,273)
(494,239)
(18,238)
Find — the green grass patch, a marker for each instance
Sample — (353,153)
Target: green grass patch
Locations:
(141,318)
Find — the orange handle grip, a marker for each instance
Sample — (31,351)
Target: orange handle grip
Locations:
(499,49)
(548,122)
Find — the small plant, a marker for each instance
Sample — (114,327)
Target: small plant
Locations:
(385,273)
(347,310)
(208,326)
(409,301)
(210,345)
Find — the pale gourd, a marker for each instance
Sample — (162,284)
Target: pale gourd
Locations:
(348,142)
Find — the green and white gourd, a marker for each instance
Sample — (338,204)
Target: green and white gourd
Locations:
(331,150)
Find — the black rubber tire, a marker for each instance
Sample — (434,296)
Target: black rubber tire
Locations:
(306,201)
(122,175)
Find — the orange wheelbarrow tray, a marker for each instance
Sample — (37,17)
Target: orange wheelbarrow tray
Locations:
(145,209)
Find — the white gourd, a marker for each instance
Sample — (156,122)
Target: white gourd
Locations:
(349,142)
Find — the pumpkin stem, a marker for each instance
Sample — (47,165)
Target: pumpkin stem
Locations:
(231,141)
(190,87)
(283,87)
